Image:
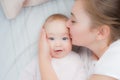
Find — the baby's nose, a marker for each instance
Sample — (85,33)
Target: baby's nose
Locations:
(58,43)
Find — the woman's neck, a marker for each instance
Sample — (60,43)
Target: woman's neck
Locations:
(99,49)
(99,52)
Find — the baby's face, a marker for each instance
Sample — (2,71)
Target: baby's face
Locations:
(58,38)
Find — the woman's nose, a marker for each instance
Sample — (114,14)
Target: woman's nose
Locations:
(68,23)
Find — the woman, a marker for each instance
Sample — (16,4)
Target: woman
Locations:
(94,24)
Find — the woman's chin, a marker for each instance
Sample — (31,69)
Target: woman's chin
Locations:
(75,43)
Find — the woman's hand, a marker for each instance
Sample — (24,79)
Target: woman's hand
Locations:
(45,65)
(44,50)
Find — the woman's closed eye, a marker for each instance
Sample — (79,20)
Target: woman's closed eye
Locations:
(51,38)
(73,21)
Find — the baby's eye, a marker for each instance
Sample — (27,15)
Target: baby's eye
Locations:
(51,38)
(65,38)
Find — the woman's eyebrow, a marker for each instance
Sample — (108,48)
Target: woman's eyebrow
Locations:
(72,14)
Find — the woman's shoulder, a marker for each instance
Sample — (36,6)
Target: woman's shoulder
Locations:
(115,45)
(108,63)
(113,50)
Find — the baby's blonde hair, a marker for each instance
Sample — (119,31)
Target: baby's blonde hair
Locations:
(55,17)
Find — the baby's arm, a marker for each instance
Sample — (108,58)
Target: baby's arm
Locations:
(46,69)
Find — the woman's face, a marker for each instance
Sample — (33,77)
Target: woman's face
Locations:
(80,26)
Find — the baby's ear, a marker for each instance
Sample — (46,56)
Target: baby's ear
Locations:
(103,32)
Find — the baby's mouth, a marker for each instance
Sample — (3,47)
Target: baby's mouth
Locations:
(58,51)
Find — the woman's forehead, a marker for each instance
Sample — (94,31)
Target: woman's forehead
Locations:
(77,9)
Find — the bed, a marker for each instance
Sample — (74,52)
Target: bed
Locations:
(19,36)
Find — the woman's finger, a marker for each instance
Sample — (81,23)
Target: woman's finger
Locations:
(44,50)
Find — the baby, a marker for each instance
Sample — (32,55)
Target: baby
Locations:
(66,63)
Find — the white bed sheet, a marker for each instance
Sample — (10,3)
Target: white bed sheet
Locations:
(19,37)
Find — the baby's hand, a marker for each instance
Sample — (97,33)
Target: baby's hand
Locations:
(44,50)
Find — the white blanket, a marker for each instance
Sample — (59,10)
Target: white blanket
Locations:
(12,8)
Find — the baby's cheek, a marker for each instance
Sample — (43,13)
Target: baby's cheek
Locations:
(69,47)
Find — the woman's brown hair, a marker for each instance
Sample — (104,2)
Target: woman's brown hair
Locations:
(105,12)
